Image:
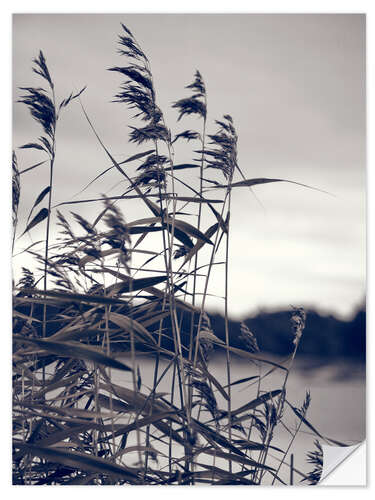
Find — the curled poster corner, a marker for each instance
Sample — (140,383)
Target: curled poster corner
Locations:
(344,466)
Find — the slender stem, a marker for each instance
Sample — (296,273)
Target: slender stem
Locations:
(48,231)
(291,468)
(192,318)
(287,451)
(227,332)
(279,409)
(52,162)
(213,252)
(199,226)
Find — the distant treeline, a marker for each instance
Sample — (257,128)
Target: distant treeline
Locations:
(324,336)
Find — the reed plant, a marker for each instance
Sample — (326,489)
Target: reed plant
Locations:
(118,294)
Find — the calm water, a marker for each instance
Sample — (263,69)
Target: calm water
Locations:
(337,407)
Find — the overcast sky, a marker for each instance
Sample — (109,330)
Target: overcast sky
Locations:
(295,87)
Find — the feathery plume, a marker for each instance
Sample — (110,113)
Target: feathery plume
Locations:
(316,458)
(16,189)
(196,103)
(298,321)
(249,338)
(224,156)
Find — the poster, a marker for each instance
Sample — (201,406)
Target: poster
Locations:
(189,247)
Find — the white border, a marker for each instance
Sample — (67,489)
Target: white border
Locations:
(193,6)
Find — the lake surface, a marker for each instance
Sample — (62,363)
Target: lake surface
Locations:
(337,408)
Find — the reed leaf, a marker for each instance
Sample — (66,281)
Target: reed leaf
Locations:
(74,350)
(263,180)
(129,325)
(38,200)
(80,461)
(41,215)
(311,427)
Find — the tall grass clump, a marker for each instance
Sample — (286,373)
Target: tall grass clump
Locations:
(110,297)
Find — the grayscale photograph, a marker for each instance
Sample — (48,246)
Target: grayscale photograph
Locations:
(188,247)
